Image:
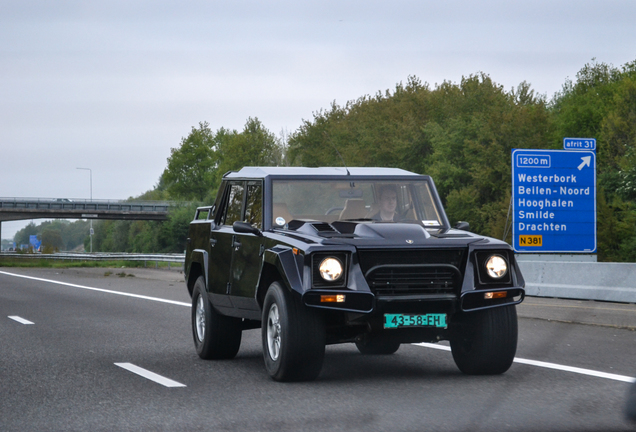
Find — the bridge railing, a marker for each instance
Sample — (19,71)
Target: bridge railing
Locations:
(82,204)
(78,200)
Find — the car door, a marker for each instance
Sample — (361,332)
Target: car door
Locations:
(221,244)
(247,251)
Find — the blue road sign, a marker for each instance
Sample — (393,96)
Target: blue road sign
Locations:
(554,201)
(33,241)
(579,144)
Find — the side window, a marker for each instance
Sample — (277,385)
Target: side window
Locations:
(254,205)
(234,204)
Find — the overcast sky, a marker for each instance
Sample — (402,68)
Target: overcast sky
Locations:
(113,85)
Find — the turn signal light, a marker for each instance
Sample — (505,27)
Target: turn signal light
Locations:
(335,298)
(495,295)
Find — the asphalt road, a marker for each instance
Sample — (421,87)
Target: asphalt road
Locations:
(70,369)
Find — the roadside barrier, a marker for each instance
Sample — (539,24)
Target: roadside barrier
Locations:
(102,256)
(614,282)
(547,276)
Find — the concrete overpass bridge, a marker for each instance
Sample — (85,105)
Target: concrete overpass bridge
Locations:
(12,209)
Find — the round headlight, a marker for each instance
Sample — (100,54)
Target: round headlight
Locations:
(496,267)
(330,269)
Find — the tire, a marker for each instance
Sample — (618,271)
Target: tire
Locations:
(375,345)
(630,406)
(485,342)
(293,337)
(215,336)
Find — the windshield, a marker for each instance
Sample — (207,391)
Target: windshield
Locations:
(370,200)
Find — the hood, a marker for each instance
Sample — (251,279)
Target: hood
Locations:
(368,235)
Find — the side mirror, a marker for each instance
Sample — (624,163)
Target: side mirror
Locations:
(246,228)
(461,225)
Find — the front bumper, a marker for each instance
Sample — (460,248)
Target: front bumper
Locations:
(367,302)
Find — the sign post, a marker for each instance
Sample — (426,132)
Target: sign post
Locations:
(554,201)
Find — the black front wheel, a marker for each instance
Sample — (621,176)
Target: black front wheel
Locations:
(215,336)
(485,342)
(293,337)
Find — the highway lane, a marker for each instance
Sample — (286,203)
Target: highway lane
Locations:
(61,372)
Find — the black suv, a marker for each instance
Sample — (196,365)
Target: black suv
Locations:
(317,256)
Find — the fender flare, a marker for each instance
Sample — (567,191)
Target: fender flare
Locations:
(283,260)
(199,256)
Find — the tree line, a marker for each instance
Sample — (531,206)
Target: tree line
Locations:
(461,134)
(56,235)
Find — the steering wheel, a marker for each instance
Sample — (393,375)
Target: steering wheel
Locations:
(333,210)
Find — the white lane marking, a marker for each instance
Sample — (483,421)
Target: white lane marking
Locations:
(149,375)
(589,372)
(433,346)
(20,320)
(547,365)
(581,371)
(100,290)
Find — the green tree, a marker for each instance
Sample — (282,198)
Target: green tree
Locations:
(71,234)
(51,240)
(601,104)
(383,130)
(254,146)
(191,169)
(477,124)
(145,236)
(462,134)
(22,236)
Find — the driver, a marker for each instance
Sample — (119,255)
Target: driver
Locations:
(388,205)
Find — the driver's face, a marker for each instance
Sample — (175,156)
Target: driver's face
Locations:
(388,201)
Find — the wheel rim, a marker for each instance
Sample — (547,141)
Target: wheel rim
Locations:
(199,319)
(273,332)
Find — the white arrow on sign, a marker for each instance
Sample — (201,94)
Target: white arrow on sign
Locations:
(586,161)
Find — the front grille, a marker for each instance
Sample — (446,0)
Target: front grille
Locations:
(413,272)
(408,279)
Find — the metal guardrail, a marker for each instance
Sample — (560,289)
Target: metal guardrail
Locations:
(100,256)
(613,282)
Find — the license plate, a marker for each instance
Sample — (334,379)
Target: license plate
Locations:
(406,320)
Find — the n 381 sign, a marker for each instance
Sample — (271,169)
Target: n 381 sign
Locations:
(554,201)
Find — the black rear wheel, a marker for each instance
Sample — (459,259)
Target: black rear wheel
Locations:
(215,336)
(293,337)
(485,342)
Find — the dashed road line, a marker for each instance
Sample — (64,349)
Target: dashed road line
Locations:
(589,372)
(20,320)
(150,375)
(547,365)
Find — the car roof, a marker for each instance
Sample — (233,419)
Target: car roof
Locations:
(261,172)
